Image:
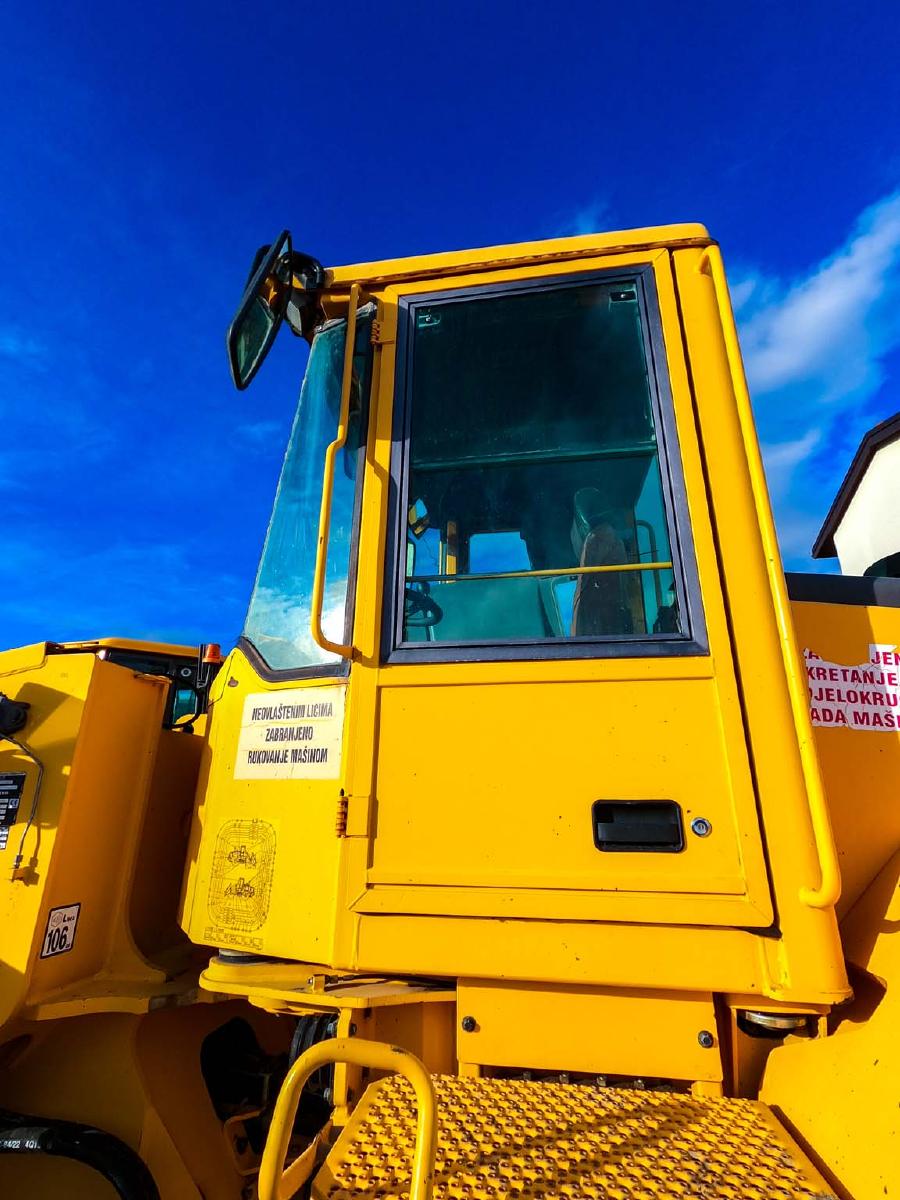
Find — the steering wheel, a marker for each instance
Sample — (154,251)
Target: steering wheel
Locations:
(420,611)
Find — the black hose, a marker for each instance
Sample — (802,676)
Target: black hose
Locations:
(103,1152)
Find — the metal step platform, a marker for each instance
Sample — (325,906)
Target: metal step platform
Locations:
(509,1138)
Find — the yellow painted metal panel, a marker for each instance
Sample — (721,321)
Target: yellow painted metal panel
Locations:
(636,1033)
(617,954)
(840,1093)
(264,858)
(95,727)
(553,903)
(807,956)
(503,797)
(860,767)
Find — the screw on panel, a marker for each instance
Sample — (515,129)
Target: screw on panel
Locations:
(701,827)
(469,1024)
(706,1039)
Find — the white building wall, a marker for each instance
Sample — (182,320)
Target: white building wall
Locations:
(870,528)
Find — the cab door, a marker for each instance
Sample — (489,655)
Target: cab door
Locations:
(556,725)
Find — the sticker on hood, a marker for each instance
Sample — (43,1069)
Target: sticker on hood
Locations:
(864,697)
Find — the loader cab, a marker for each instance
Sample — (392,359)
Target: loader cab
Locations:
(516,657)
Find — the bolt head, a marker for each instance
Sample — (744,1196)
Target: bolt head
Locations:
(706,1039)
(701,827)
(468,1024)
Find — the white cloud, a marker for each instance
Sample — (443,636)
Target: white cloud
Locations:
(785,456)
(592,217)
(814,348)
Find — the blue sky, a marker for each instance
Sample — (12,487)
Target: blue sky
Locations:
(148,150)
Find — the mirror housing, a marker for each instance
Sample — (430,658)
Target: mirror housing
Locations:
(261,310)
(304,313)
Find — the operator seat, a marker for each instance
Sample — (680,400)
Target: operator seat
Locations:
(606,602)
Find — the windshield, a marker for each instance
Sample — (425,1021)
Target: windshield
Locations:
(278,619)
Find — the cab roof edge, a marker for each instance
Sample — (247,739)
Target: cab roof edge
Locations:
(547,250)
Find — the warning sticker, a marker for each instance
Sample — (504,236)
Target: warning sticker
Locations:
(12,784)
(865,697)
(59,936)
(294,734)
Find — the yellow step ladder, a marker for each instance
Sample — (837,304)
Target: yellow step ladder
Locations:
(489,1139)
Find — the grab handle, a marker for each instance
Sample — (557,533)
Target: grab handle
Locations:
(277,1182)
(826,895)
(318,592)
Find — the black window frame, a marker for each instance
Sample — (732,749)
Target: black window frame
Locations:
(693,641)
(341,668)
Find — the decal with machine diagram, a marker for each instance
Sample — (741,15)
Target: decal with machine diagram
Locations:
(292,734)
(864,697)
(240,885)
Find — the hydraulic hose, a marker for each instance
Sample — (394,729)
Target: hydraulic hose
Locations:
(103,1152)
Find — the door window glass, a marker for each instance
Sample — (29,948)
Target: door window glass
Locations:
(535,503)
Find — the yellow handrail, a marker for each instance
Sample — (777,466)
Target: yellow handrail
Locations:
(828,892)
(318,592)
(279,1183)
(544,571)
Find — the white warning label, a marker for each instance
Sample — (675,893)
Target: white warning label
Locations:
(865,697)
(294,734)
(59,936)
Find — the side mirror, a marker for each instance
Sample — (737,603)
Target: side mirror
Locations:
(261,311)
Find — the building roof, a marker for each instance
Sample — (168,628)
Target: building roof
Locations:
(878,436)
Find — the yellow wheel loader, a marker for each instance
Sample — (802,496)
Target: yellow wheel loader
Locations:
(539,837)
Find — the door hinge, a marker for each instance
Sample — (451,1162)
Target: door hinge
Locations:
(384,331)
(352,819)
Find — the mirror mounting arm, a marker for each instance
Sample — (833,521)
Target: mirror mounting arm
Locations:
(303,312)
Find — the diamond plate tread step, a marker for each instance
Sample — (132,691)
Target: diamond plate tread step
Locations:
(509,1138)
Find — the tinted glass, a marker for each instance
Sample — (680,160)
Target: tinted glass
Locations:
(535,507)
